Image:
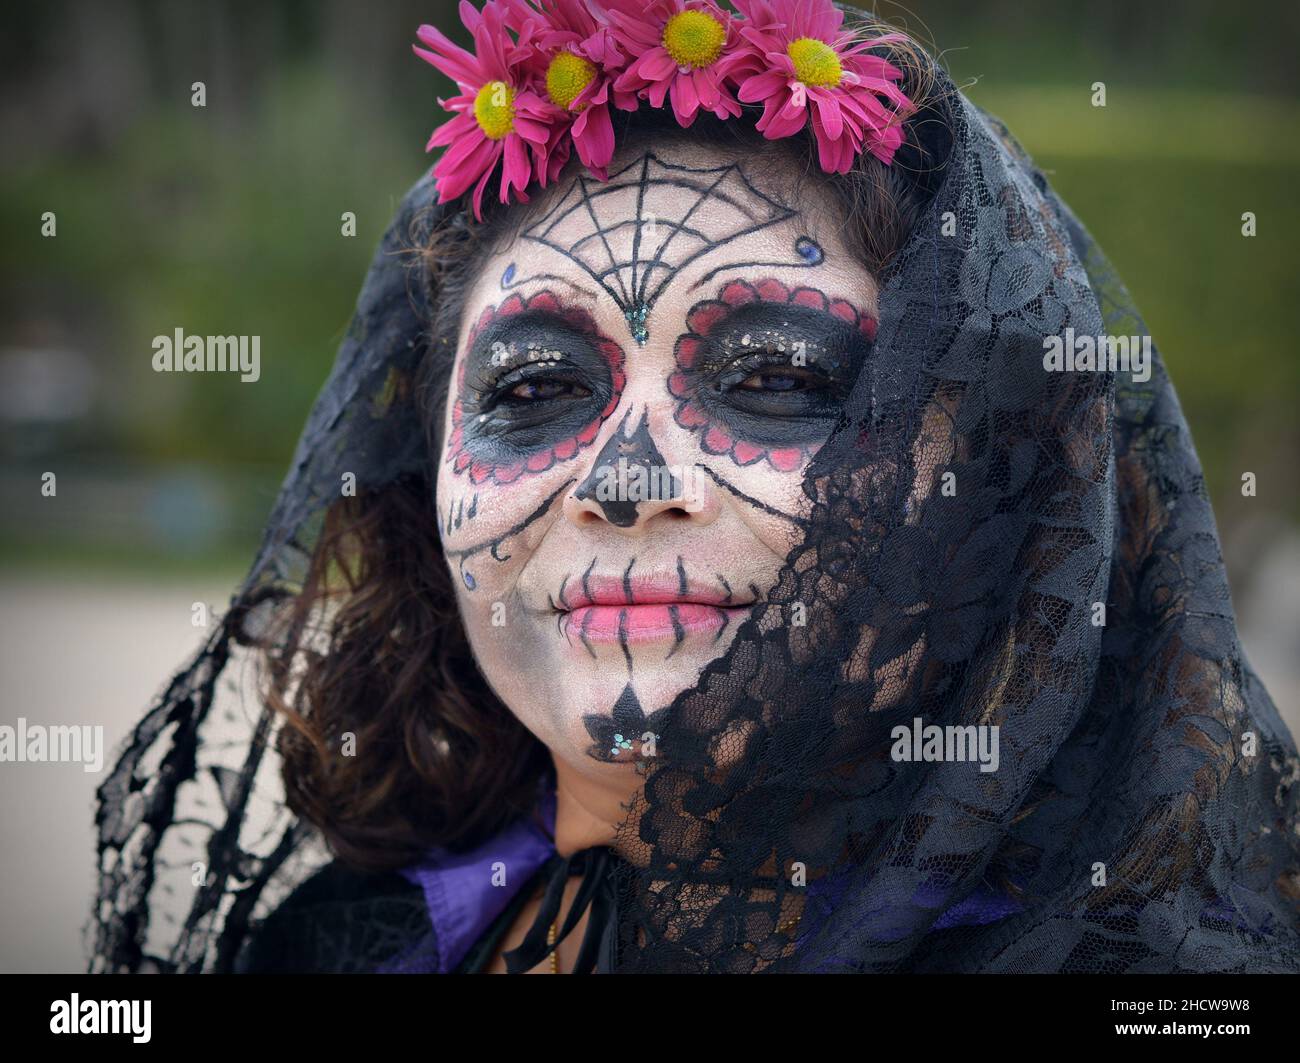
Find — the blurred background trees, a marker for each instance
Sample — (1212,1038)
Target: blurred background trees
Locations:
(225,219)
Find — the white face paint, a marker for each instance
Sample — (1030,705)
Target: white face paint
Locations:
(640,382)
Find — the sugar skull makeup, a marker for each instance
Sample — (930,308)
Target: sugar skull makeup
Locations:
(617,496)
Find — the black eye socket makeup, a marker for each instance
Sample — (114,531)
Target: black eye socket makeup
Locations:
(537,380)
(765,368)
(779,361)
(524,366)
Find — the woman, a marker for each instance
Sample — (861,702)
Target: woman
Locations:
(700,560)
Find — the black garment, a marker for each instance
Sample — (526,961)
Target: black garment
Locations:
(339,921)
(342,921)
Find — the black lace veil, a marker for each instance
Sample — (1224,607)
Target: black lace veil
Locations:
(990,544)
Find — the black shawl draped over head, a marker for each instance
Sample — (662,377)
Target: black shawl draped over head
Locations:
(969,516)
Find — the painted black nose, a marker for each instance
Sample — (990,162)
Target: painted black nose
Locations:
(629,470)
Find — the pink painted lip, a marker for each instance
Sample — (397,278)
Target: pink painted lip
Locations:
(649,607)
(638,591)
(647,621)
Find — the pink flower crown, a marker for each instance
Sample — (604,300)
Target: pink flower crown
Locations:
(547,71)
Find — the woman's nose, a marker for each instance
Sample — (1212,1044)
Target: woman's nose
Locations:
(629,483)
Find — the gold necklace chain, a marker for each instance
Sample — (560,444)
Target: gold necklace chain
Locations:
(555,952)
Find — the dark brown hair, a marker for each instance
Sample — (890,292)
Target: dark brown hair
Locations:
(443,761)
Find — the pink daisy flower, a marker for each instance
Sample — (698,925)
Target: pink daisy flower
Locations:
(499,117)
(575,62)
(802,67)
(683,49)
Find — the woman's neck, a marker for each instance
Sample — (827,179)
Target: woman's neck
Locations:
(589,811)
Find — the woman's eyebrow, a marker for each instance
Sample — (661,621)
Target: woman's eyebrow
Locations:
(526,319)
(511,281)
(806,252)
(529,323)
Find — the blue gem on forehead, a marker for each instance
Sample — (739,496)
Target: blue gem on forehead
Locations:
(508,275)
(809,250)
(469,580)
(636,322)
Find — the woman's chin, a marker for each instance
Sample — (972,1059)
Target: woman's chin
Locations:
(608,707)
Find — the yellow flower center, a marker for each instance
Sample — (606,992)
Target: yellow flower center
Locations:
(566,77)
(694,38)
(815,62)
(494,108)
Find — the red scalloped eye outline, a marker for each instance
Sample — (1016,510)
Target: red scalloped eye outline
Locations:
(480,471)
(700,322)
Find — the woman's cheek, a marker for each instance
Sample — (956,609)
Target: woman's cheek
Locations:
(488,530)
(770,501)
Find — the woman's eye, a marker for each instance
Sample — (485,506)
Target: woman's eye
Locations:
(773,382)
(541,390)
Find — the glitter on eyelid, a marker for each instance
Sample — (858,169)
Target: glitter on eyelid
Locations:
(507,354)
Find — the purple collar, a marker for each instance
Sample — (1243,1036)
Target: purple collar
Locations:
(466,892)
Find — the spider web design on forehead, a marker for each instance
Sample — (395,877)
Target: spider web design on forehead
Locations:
(725,207)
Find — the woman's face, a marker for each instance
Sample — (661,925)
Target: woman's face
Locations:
(640,380)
